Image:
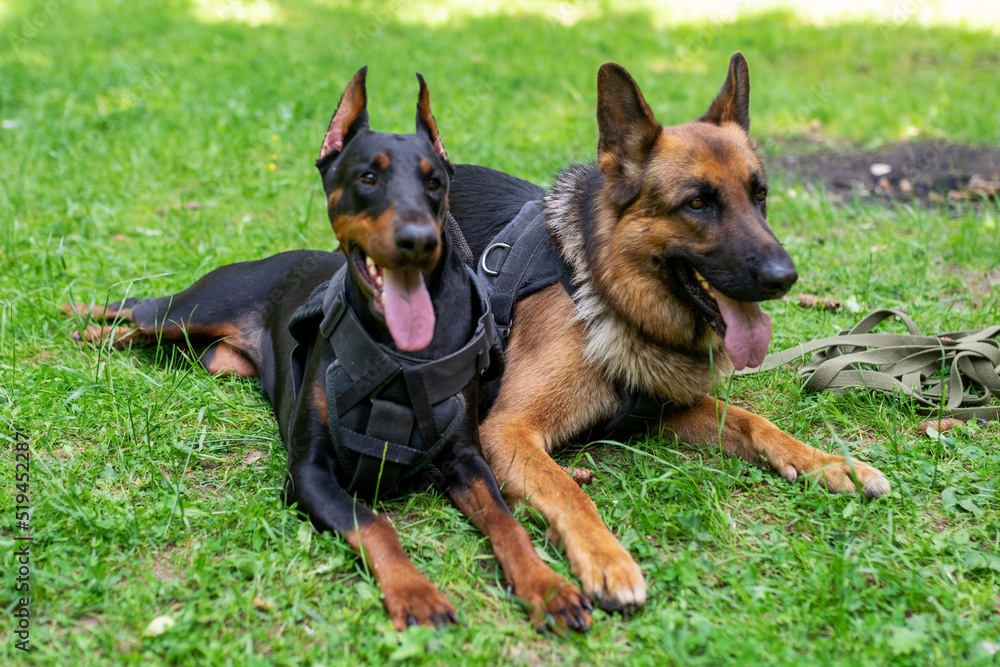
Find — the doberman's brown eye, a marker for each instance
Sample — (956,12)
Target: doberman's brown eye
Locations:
(368,178)
(434,185)
(761,195)
(697,203)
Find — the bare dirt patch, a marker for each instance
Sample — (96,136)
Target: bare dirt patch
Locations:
(925,172)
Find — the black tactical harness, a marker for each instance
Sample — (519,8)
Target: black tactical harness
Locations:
(521,260)
(389,414)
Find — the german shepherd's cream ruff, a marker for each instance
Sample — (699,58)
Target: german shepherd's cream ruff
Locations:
(669,246)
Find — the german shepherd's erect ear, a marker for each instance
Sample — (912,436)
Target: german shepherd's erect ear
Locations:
(628,131)
(733,102)
(350,117)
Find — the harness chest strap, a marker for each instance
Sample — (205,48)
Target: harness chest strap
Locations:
(381,451)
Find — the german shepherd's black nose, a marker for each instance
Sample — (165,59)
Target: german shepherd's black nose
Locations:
(416,242)
(776,276)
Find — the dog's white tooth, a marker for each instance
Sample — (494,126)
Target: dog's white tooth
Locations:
(705,285)
(372,268)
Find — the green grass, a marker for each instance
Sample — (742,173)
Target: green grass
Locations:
(154,488)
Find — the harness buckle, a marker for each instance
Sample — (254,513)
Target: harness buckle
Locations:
(482,360)
(482,262)
(332,317)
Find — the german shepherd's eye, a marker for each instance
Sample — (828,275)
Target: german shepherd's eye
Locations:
(761,196)
(697,204)
(368,178)
(433,185)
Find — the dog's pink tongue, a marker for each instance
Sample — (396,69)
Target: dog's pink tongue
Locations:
(748,331)
(409,313)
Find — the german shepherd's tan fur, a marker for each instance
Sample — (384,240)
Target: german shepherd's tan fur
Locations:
(661,208)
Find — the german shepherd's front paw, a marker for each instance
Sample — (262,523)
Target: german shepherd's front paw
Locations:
(791,457)
(417,602)
(607,572)
(836,473)
(839,477)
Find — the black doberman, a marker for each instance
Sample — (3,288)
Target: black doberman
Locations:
(371,359)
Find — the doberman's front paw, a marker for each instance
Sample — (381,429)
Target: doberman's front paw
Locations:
(607,572)
(556,604)
(418,602)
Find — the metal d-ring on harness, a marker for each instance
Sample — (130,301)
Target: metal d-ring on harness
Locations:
(390,414)
(483,266)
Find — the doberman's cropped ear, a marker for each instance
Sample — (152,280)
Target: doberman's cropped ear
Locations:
(351,115)
(733,102)
(627,129)
(426,124)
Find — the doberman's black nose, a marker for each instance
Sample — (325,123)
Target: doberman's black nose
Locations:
(416,242)
(777,276)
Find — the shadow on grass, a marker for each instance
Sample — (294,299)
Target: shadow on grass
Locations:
(154,87)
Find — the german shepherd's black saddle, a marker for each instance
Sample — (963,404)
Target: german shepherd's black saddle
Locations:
(521,260)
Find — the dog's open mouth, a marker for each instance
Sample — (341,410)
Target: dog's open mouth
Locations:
(704,297)
(401,297)
(745,328)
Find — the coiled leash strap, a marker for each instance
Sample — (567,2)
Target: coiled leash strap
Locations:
(955,374)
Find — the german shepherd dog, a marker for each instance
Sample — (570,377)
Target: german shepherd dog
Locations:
(670,252)
(405,304)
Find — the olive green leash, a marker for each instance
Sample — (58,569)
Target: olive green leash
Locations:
(953,374)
